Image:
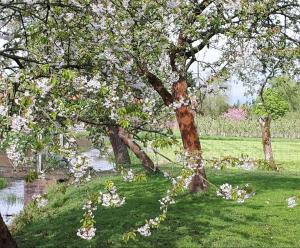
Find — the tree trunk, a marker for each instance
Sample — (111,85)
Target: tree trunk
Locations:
(136,149)
(119,148)
(189,135)
(265,124)
(6,240)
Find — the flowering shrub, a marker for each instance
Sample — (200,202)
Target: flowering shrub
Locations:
(235,114)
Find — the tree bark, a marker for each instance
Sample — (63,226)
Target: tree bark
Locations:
(6,240)
(137,150)
(265,124)
(185,120)
(189,135)
(119,148)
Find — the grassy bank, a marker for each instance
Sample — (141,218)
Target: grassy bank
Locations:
(202,220)
(3,183)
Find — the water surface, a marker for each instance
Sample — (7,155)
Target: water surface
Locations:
(12,200)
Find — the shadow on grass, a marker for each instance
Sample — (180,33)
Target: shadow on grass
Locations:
(200,220)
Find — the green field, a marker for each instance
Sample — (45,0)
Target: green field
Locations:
(286,152)
(201,220)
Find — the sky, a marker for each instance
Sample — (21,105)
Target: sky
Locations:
(236,91)
(237,94)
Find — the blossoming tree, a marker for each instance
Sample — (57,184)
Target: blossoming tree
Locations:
(115,53)
(147,43)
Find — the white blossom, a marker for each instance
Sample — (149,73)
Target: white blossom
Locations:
(240,194)
(144,230)
(86,233)
(129,177)
(89,206)
(111,199)
(19,123)
(3,110)
(291,201)
(225,191)
(40,201)
(44,86)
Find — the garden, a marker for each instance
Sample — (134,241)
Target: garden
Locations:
(117,128)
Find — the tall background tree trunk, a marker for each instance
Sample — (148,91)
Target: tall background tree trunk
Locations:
(137,150)
(119,148)
(265,124)
(189,135)
(6,240)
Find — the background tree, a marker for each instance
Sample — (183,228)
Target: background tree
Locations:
(270,106)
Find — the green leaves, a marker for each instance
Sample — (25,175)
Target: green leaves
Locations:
(67,75)
(273,104)
(129,236)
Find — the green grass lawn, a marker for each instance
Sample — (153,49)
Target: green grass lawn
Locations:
(286,152)
(200,220)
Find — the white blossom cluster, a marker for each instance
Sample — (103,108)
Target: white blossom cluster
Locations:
(240,194)
(291,202)
(191,161)
(243,162)
(232,4)
(184,180)
(246,165)
(3,110)
(79,164)
(145,230)
(180,182)
(128,176)
(180,103)
(40,200)
(19,123)
(165,202)
(112,198)
(80,167)
(89,206)
(167,175)
(14,153)
(86,233)
(44,86)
